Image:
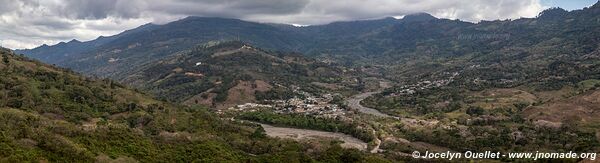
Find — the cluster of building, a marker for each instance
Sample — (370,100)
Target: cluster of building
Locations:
(249,107)
(426,84)
(310,105)
(306,103)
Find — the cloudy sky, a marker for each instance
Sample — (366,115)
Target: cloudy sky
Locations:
(30,23)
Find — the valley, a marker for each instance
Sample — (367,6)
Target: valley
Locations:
(226,90)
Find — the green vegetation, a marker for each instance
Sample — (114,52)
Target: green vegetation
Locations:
(51,114)
(521,85)
(226,65)
(505,137)
(439,100)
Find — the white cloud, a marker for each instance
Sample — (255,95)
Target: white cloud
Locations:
(29,23)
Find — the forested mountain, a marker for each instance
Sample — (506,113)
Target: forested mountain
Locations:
(64,51)
(216,72)
(150,43)
(505,85)
(386,41)
(49,114)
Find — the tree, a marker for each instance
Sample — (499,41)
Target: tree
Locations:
(475,110)
(5,59)
(259,133)
(521,105)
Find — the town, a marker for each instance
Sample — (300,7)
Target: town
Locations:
(305,103)
(426,84)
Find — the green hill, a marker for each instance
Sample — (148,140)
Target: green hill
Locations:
(51,114)
(229,73)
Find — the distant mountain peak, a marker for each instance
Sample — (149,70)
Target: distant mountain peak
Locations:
(74,41)
(418,17)
(147,25)
(597,5)
(553,13)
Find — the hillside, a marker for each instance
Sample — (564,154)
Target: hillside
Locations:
(418,39)
(64,51)
(49,114)
(229,73)
(528,84)
(149,43)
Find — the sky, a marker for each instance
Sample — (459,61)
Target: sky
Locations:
(31,23)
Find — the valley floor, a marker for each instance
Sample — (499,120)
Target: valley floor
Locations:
(304,134)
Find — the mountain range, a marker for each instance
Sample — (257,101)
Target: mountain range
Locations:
(387,41)
(503,85)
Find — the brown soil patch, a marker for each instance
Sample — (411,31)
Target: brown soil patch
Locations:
(327,85)
(242,93)
(502,98)
(191,74)
(204,98)
(583,108)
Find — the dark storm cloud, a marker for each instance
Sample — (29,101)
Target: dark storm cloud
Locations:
(29,23)
(99,9)
(238,8)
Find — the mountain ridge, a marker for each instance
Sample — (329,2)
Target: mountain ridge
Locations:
(215,70)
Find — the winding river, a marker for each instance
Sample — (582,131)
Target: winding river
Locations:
(354,103)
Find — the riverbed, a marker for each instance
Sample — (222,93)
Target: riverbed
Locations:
(354,103)
(304,134)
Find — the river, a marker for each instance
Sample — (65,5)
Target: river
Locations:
(354,103)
